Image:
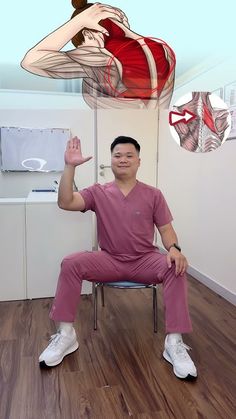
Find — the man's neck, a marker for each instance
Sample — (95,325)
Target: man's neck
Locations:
(126,184)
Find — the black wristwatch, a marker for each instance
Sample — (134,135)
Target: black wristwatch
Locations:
(176,246)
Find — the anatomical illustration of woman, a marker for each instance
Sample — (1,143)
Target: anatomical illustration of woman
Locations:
(119,68)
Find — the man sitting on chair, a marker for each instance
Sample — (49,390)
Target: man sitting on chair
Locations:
(127,212)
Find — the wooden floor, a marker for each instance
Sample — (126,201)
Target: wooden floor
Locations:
(118,371)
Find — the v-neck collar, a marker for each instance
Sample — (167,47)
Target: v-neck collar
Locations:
(131,190)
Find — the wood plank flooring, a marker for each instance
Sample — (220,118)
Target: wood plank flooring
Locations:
(118,371)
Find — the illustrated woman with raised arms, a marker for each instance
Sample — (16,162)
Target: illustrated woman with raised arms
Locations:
(119,67)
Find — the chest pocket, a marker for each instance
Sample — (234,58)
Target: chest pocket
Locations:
(141,224)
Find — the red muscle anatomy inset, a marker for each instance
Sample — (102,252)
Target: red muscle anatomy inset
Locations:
(207,130)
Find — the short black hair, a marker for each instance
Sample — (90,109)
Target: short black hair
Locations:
(122,139)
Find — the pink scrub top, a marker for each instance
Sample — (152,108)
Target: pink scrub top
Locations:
(125,225)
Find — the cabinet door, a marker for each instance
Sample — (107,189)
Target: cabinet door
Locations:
(12,251)
(53,234)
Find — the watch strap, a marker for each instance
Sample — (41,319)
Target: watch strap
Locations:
(176,246)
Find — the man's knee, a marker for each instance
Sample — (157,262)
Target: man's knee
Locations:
(71,263)
(170,272)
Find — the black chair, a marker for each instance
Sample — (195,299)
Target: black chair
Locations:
(123,285)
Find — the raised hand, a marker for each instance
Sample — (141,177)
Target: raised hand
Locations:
(91,17)
(73,154)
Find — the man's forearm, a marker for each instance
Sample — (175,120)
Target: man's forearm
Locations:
(65,193)
(168,241)
(169,237)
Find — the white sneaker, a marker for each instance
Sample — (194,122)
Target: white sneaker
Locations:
(60,345)
(175,352)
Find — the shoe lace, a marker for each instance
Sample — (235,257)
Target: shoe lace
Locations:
(180,351)
(55,340)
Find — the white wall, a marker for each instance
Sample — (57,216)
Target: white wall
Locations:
(206,77)
(58,110)
(200,189)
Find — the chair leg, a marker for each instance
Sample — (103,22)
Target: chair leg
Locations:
(95,307)
(155,308)
(102,295)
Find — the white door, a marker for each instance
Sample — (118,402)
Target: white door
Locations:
(139,124)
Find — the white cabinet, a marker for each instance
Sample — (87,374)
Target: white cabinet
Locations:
(52,234)
(12,249)
(35,235)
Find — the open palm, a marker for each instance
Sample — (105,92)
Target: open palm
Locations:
(73,153)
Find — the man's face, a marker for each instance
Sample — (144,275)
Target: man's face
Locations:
(125,161)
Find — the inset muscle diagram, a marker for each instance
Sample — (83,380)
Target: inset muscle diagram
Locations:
(206,125)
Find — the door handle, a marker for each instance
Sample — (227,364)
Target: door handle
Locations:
(102,166)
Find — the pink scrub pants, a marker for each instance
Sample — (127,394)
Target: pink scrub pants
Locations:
(100,266)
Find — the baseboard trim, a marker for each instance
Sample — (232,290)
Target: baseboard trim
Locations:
(214,286)
(210,283)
